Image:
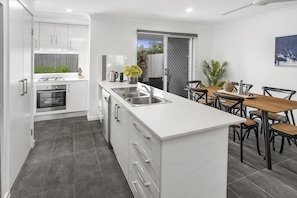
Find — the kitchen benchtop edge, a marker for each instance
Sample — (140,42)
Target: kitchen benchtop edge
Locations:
(178,118)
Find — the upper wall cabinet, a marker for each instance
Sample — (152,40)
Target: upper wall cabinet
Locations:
(78,38)
(62,37)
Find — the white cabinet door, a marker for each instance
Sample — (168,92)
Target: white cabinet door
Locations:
(46,35)
(36,36)
(53,36)
(61,36)
(78,37)
(119,134)
(20,65)
(76,96)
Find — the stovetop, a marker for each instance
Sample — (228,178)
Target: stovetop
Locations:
(54,78)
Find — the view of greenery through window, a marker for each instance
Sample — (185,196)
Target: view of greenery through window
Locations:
(146,47)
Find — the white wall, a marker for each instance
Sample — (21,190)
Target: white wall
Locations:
(118,37)
(249,45)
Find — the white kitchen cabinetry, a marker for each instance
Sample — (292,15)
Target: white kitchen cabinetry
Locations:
(20,87)
(78,38)
(36,36)
(144,161)
(119,133)
(76,96)
(168,158)
(53,36)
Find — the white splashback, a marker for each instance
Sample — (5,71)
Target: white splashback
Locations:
(108,63)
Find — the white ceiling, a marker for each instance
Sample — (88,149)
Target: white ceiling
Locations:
(204,11)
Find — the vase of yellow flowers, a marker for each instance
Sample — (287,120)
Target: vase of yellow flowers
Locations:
(132,72)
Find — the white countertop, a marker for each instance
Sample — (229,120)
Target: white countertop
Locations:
(178,118)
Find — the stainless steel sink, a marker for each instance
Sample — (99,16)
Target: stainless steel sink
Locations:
(137,97)
(133,94)
(145,100)
(129,92)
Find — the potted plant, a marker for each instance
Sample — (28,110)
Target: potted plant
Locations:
(132,72)
(215,72)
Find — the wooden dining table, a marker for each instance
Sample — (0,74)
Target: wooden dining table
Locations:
(266,104)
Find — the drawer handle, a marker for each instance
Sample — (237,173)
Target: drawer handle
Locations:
(138,189)
(140,150)
(141,174)
(144,134)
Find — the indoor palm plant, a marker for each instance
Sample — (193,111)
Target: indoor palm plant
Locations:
(214,72)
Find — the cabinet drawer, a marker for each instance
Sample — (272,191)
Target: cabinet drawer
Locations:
(140,183)
(152,167)
(148,140)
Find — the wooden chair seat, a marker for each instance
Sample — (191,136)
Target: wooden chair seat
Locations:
(271,116)
(285,128)
(210,101)
(247,123)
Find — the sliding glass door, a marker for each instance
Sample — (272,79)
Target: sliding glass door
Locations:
(166,61)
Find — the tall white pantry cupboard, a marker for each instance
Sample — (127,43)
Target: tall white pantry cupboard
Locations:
(17,136)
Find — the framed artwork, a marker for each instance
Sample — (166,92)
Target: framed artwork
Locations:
(285,51)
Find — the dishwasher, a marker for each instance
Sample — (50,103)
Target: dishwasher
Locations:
(106,116)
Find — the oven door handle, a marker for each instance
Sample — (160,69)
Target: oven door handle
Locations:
(52,91)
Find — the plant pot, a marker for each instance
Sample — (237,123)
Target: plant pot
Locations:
(132,80)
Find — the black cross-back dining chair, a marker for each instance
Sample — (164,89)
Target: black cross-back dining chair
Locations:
(246,87)
(288,116)
(285,117)
(248,125)
(198,95)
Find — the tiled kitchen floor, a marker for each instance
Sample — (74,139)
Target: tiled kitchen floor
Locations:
(71,159)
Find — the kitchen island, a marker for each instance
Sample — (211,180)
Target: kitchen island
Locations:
(176,149)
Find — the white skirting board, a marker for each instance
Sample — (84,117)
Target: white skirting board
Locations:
(59,116)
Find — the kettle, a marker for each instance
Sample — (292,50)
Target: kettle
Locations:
(113,76)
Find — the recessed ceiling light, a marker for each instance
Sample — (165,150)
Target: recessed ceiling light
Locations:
(68,10)
(189,9)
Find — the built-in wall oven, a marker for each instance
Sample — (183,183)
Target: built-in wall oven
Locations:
(51,97)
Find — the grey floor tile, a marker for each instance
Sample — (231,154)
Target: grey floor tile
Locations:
(86,167)
(31,179)
(92,189)
(84,142)
(126,194)
(110,167)
(231,194)
(237,170)
(63,146)
(65,128)
(118,182)
(286,172)
(246,189)
(41,152)
(66,192)
(26,193)
(99,139)
(266,181)
(81,127)
(38,124)
(105,153)
(251,158)
(95,125)
(61,173)
(48,131)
